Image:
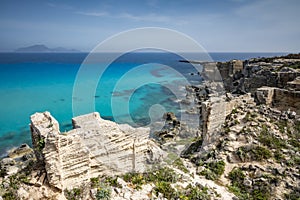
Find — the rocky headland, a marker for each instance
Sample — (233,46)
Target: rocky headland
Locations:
(246,146)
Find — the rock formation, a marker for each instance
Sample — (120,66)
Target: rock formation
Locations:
(247,76)
(94,147)
(214,112)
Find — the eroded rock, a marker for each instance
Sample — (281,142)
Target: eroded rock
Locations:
(95,147)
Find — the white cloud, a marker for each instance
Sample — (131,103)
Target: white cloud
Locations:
(61,6)
(149,17)
(95,14)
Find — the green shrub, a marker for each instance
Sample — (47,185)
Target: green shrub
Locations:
(112,181)
(195,193)
(234,111)
(260,153)
(179,164)
(237,186)
(41,144)
(237,176)
(164,174)
(14,182)
(260,190)
(213,170)
(294,142)
(253,115)
(271,141)
(253,153)
(279,157)
(10,195)
(103,192)
(165,189)
(293,195)
(73,194)
(227,130)
(250,116)
(296,160)
(137,179)
(281,124)
(95,182)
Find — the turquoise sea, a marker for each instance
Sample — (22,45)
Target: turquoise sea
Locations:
(36,82)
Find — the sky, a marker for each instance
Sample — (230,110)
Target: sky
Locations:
(218,25)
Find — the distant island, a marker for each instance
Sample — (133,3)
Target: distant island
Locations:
(40,48)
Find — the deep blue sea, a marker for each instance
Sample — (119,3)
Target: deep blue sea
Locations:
(37,82)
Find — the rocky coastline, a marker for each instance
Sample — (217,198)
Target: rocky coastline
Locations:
(246,146)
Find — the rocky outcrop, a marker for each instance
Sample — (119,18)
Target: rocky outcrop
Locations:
(246,76)
(282,99)
(264,95)
(214,112)
(295,84)
(94,147)
(16,160)
(171,128)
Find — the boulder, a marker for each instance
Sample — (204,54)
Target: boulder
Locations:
(21,151)
(264,95)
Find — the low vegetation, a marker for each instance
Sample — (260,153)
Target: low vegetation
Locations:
(270,140)
(179,165)
(165,180)
(103,192)
(213,170)
(73,194)
(259,189)
(14,182)
(293,195)
(253,153)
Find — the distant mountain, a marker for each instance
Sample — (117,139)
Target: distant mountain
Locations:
(40,48)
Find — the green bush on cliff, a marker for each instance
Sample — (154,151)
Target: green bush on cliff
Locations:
(293,195)
(179,164)
(279,157)
(271,141)
(237,186)
(195,192)
(250,116)
(213,170)
(137,179)
(73,194)
(165,189)
(41,144)
(103,192)
(190,192)
(95,182)
(113,181)
(260,190)
(164,174)
(253,153)
(10,195)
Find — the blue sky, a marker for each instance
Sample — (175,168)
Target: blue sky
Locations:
(218,25)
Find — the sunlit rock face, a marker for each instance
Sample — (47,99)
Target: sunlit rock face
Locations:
(94,147)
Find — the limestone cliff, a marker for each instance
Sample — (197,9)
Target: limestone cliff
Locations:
(94,147)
